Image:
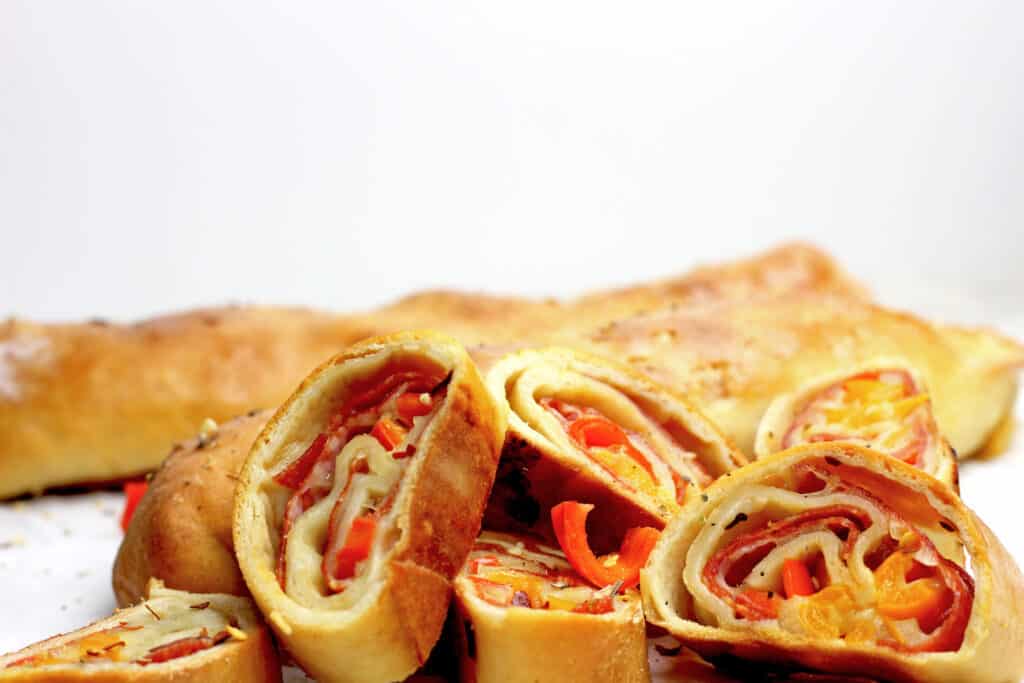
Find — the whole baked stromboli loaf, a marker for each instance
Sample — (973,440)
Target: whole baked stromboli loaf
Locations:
(96,402)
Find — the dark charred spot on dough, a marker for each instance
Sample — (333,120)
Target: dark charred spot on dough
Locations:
(252,413)
(210,319)
(947,525)
(470,638)
(832,461)
(666,651)
(738,519)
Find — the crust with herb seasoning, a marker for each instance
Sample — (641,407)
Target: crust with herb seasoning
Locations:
(171,636)
(181,530)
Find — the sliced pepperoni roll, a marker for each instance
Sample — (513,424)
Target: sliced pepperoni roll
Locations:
(524,615)
(170,636)
(837,558)
(883,405)
(588,429)
(359,501)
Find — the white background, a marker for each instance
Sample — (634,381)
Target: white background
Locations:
(161,156)
(164,155)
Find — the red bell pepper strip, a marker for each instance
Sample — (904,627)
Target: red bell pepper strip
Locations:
(389,433)
(357,546)
(597,431)
(182,648)
(133,492)
(602,605)
(296,472)
(796,580)
(570,523)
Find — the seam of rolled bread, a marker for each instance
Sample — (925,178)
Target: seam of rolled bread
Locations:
(393,620)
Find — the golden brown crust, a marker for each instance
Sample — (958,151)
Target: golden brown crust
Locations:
(993,645)
(102,402)
(389,631)
(520,645)
(181,530)
(787,269)
(252,659)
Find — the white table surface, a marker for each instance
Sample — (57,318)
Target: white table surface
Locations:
(56,551)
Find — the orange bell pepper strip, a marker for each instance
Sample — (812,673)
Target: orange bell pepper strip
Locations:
(570,523)
(133,492)
(597,431)
(924,599)
(796,580)
(357,546)
(388,432)
(757,604)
